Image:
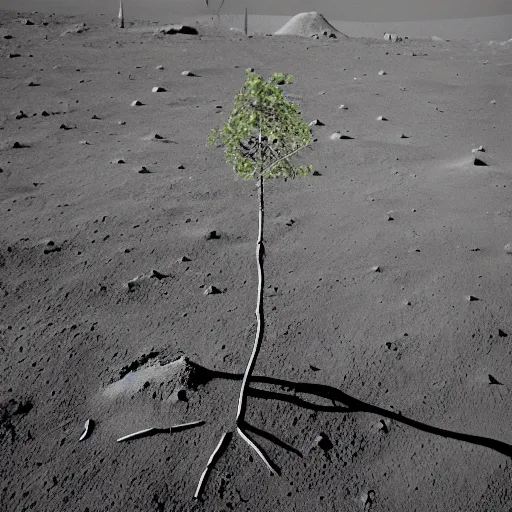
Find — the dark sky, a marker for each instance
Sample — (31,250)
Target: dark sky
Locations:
(342,10)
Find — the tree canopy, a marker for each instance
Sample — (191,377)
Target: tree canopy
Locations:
(262,113)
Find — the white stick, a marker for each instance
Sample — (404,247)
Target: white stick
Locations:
(87,430)
(184,426)
(211,461)
(256,448)
(121,14)
(140,433)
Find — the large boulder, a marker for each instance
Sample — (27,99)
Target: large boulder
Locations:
(309,24)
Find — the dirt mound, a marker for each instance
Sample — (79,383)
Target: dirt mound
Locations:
(309,24)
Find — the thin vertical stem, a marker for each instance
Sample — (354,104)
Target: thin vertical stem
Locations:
(260,251)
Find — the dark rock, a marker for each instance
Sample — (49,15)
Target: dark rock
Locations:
(212,235)
(479,162)
(211,290)
(472,298)
(158,275)
(322,441)
(502,334)
(316,173)
(492,380)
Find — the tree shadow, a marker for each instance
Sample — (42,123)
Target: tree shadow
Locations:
(350,405)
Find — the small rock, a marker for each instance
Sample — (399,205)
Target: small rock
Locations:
(492,380)
(181,166)
(17,145)
(316,173)
(479,162)
(471,298)
(95,117)
(187,73)
(381,118)
(158,275)
(403,136)
(321,441)
(211,235)
(479,148)
(390,217)
(502,334)
(158,137)
(144,170)
(84,142)
(376,269)
(121,123)
(13,55)
(44,113)
(382,72)
(382,425)
(493,102)
(7,36)
(211,290)
(118,161)
(508,248)
(321,93)
(64,127)
(184,258)
(160,67)
(158,89)
(32,84)
(21,115)
(343,107)
(136,103)
(316,122)
(26,22)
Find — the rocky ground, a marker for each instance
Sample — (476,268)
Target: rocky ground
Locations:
(383,383)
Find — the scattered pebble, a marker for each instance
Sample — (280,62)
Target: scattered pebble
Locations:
(158,275)
(184,258)
(85,142)
(479,162)
(95,117)
(21,115)
(160,67)
(382,72)
(143,170)
(381,118)
(508,248)
(479,148)
(316,173)
(136,103)
(17,145)
(211,235)
(502,334)
(471,298)
(403,136)
(493,102)
(13,55)
(376,269)
(26,22)
(338,135)
(121,123)
(187,73)
(321,441)
(118,161)
(493,380)
(316,122)
(158,89)
(44,113)
(343,107)
(211,290)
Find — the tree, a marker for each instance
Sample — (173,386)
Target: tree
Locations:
(263,131)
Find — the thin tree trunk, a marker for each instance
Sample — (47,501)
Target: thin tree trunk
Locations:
(260,252)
